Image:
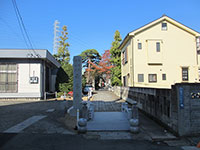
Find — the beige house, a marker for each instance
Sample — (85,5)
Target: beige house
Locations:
(160,54)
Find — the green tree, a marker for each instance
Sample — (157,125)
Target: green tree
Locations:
(64,80)
(116,60)
(90,55)
(63,55)
(67,86)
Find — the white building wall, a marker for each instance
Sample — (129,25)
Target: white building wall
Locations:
(25,71)
(25,88)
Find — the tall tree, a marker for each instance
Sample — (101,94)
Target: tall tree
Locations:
(63,55)
(116,59)
(105,63)
(64,80)
(90,55)
(67,85)
(104,66)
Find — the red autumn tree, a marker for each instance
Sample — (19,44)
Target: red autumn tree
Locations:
(104,65)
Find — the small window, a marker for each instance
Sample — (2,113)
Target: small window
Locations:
(199,73)
(164,26)
(139,45)
(157,46)
(185,74)
(163,76)
(152,77)
(125,56)
(198,43)
(125,81)
(140,77)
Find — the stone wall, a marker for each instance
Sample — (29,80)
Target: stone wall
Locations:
(188,97)
(178,107)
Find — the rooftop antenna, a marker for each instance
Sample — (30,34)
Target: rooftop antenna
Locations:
(55,40)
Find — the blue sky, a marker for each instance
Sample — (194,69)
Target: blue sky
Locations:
(91,23)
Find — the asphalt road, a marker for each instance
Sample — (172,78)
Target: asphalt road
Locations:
(13,113)
(73,142)
(49,133)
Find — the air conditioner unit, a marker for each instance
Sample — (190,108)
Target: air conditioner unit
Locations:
(34,80)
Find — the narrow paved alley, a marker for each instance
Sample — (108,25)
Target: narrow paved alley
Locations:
(106,101)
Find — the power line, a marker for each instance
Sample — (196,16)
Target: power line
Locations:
(23,28)
(90,44)
(10,27)
(22,22)
(81,43)
(20,25)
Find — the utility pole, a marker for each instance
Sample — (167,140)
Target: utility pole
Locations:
(55,40)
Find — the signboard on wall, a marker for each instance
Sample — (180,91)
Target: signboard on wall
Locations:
(181,99)
(34,80)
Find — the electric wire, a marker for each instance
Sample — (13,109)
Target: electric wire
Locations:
(91,44)
(22,26)
(11,29)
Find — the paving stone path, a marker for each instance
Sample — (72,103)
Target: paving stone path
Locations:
(108,115)
(107,119)
(106,102)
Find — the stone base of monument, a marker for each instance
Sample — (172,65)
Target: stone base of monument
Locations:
(70,122)
(72,111)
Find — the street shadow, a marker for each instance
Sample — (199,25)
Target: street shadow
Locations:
(119,99)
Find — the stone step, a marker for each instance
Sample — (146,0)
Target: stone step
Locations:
(108,121)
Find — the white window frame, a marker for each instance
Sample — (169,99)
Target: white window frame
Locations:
(164,77)
(164,28)
(185,78)
(157,46)
(152,78)
(7,72)
(140,46)
(140,77)
(125,56)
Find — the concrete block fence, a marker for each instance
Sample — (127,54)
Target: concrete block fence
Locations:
(178,108)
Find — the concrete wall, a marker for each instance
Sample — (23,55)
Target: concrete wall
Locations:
(189,112)
(178,108)
(25,71)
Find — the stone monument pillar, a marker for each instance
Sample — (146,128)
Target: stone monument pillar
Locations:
(77,85)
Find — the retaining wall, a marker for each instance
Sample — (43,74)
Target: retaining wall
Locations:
(178,107)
